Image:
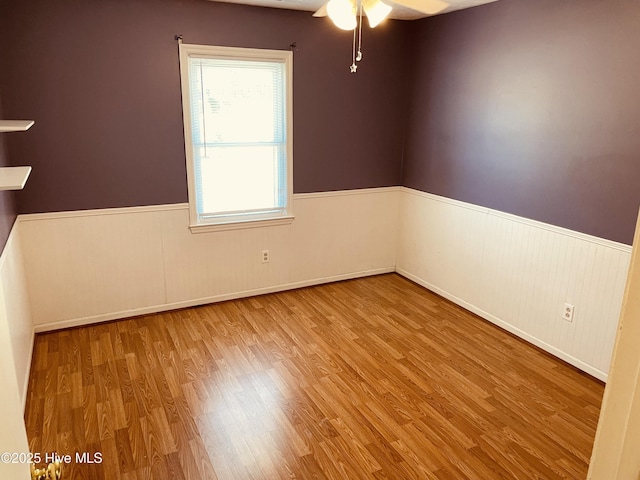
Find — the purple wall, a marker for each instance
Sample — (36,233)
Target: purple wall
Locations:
(532,108)
(101,79)
(528,107)
(7,203)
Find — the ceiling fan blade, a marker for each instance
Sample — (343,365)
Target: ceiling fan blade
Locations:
(429,7)
(321,12)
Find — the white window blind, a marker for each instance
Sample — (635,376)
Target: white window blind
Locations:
(238,133)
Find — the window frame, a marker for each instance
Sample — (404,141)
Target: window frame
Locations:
(232,222)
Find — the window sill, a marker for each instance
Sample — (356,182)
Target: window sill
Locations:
(240,224)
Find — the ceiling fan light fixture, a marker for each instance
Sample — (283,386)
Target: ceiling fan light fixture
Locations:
(342,13)
(376,12)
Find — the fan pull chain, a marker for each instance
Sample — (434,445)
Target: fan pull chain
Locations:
(359,55)
(356,57)
(353,66)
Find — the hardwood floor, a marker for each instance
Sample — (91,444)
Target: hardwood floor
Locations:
(362,379)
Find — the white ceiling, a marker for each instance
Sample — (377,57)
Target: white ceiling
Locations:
(399,12)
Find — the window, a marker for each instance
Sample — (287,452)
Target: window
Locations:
(237,108)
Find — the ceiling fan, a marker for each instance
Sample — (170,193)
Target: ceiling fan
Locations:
(347,15)
(344,13)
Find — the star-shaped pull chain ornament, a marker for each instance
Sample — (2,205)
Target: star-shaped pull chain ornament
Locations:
(353,68)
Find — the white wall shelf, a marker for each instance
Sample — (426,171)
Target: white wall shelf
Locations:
(15,125)
(13,178)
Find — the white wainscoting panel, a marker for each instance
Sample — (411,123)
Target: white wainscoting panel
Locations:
(15,312)
(204,266)
(89,266)
(13,434)
(518,274)
(92,264)
(16,342)
(84,267)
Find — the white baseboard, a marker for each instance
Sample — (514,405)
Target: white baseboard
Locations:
(25,386)
(98,266)
(518,274)
(77,322)
(600,375)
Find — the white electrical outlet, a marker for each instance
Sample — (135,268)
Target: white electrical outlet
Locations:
(265,256)
(567,313)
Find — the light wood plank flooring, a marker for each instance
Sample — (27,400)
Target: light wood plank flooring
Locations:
(363,379)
